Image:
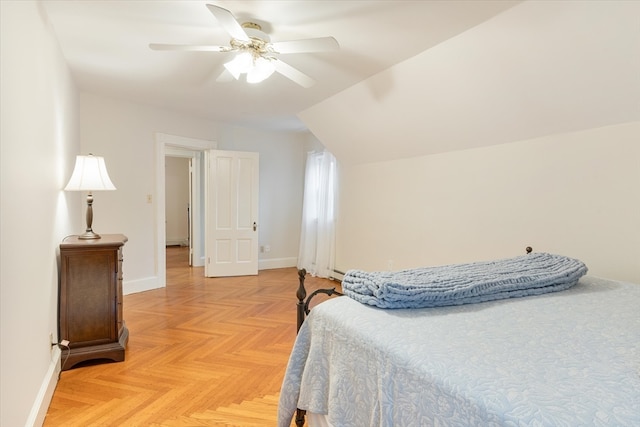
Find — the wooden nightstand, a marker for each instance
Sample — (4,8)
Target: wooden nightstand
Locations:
(90,299)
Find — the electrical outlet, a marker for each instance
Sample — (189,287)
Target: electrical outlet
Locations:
(267,248)
(51,343)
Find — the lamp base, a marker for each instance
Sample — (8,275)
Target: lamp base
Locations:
(88,232)
(89,235)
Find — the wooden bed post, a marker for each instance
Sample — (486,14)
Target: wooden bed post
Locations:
(301,294)
(300,414)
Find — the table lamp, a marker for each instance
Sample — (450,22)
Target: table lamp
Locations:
(89,174)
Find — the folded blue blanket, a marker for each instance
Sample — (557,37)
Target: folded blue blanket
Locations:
(456,284)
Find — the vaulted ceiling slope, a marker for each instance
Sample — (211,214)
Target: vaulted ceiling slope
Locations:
(536,69)
(106,44)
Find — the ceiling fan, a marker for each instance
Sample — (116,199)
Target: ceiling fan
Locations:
(257,56)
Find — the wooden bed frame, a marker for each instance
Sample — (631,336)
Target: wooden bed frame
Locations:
(302,309)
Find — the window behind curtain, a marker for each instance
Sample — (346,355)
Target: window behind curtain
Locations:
(317,237)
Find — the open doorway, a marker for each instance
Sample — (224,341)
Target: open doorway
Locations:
(183,209)
(177,146)
(177,201)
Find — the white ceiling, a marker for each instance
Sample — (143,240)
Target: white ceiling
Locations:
(106,46)
(539,68)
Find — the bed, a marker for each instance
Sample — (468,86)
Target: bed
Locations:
(564,358)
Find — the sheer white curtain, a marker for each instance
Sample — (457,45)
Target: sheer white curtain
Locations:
(317,237)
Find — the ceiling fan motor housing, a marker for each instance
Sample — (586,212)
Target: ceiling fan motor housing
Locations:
(260,43)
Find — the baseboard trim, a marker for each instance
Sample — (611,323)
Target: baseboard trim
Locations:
(140,285)
(45,394)
(269,264)
(177,242)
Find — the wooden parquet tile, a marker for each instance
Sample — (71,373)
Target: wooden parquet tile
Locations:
(201,352)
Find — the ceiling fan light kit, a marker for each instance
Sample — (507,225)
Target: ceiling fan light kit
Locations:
(257,68)
(253,57)
(261,70)
(242,63)
(256,55)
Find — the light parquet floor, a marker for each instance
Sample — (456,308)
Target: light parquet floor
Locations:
(201,352)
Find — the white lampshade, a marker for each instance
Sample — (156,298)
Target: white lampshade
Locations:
(89,174)
(242,63)
(262,69)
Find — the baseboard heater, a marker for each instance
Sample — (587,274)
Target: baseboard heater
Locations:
(337,275)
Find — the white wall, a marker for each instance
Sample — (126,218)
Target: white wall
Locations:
(39,142)
(576,194)
(124,133)
(417,186)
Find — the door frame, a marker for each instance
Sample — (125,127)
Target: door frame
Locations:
(164,143)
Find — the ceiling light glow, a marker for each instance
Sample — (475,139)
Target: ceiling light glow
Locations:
(242,63)
(262,69)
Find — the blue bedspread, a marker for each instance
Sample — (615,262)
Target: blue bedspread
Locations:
(562,359)
(457,284)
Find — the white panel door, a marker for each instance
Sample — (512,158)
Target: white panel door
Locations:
(231,227)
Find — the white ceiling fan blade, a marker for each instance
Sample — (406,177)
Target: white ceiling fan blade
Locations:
(188,47)
(229,23)
(322,44)
(293,74)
